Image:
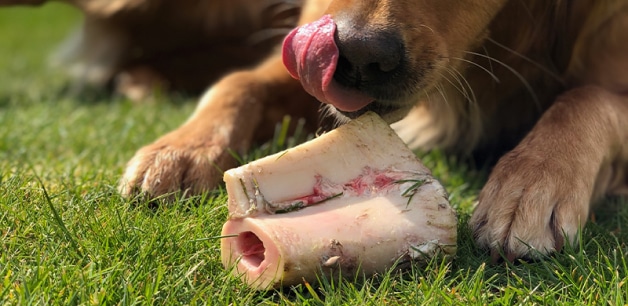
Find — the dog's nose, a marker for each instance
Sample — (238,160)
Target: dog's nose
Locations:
(367,56)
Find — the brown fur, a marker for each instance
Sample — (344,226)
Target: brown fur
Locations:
(547,78)
(141,45)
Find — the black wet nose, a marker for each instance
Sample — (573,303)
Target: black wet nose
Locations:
(367,56)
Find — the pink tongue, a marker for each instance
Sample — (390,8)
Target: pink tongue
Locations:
(311,55)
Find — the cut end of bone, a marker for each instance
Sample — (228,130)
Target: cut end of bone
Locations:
(355,200)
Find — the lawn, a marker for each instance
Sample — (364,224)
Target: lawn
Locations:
(67,237)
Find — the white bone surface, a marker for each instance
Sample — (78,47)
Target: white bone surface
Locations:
(353,199)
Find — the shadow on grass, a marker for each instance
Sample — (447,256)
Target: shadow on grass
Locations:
(85,95)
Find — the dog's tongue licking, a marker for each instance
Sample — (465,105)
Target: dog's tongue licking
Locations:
(311,55)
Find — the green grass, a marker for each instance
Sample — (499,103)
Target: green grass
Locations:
(66,237)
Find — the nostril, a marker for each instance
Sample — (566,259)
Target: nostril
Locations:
(367,55)
(344,64)
(386,65)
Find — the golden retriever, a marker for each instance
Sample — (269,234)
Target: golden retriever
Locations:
(544,81)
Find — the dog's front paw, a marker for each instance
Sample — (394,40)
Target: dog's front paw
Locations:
(531,205)
(174,165)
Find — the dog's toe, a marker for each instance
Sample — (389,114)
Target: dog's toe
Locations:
(529,209)
(165,171)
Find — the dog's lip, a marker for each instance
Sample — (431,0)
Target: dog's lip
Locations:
(310,54)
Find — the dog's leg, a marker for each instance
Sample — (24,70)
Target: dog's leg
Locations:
(539,194)
(229,117)
(192,157)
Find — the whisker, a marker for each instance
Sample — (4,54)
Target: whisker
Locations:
(328,119)
(489,72)
(470,89)
(529,60)
(460,89)
(515,73)
(441,90)
(490,64)
(466,91)
(427,27)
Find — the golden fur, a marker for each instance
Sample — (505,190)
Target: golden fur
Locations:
(547,80)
